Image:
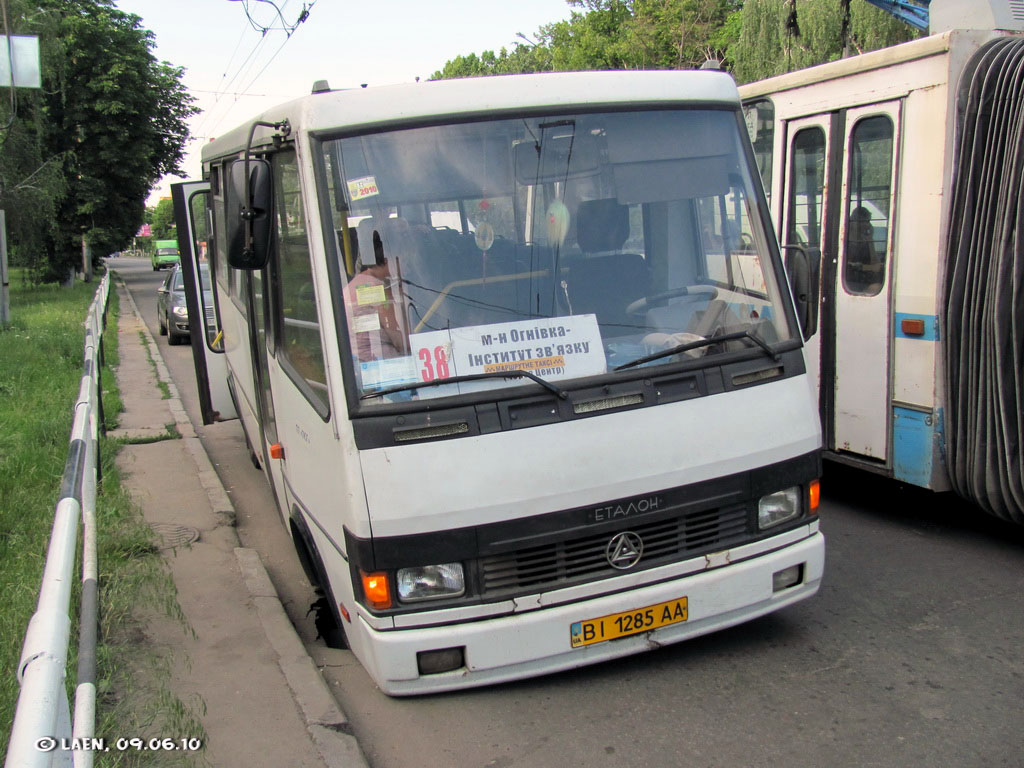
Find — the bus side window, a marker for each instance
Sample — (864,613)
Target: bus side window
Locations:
(300,343)
(867,206)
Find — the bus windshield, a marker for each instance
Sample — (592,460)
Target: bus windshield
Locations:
(566,246)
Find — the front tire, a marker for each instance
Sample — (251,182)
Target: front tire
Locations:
(327,617)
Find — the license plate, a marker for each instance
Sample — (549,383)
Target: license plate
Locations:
(627,623)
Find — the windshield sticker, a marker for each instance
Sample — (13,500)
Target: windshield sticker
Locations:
(391,372)
(360,189)
(366,323)
(551,348)
(370,294)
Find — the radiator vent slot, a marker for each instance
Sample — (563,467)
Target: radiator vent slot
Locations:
(431,433)
(750,378)
(620,401)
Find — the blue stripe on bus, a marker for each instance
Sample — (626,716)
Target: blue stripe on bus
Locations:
(931,326)
(915,442)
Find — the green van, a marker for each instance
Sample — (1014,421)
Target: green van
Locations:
(165,254)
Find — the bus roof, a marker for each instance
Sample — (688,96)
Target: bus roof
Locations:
(391,106)
(924,47)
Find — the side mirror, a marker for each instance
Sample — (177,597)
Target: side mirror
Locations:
(248,215)
(803,268)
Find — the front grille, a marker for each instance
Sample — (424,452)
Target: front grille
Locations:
(562,563)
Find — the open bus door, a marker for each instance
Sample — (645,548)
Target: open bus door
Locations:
(194,233)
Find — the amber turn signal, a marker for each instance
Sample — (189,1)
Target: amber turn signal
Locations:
(277,451)
(376,589)
(815,495)
(912,326)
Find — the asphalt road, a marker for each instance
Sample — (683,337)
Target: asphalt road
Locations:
(910,655)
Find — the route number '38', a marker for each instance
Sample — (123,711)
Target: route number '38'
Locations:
(435,364)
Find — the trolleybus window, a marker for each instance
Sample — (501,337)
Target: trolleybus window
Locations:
(806,188)
(760,117)
(565,246)
(867,206)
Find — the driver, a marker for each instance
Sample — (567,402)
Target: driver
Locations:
(375,330)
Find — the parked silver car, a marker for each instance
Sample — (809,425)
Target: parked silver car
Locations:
(172,313)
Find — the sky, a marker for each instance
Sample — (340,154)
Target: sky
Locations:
(234,72)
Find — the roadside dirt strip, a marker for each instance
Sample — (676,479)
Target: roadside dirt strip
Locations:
(264,700)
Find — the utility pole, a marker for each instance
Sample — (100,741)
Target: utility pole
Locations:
(5,282)
(86,260)
(19,68)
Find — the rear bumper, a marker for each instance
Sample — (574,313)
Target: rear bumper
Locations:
(537,642)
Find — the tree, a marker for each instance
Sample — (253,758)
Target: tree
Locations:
(755,39)
(163,220)
(768,45)
(117,116)
(616,34)
(522,58)
(31,181)
(80,157)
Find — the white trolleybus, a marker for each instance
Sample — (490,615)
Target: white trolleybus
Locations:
(519,359)
(899,172)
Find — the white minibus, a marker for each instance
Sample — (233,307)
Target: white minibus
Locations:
(521,364)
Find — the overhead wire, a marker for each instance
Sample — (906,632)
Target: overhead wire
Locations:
(231,59)
(244,67)
(251,61)
(285,26)
(225,86)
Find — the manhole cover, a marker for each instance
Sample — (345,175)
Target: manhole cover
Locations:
(175,535)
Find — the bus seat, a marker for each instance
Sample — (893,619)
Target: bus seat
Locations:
(601,225)
(605,284)
(364,242)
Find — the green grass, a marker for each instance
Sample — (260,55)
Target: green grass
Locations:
(40,371)
(164,389)
(41,357)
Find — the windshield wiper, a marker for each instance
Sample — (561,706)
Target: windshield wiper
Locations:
(680,348)
(515,373)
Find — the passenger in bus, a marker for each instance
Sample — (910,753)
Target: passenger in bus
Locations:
(864,266)
(375,329)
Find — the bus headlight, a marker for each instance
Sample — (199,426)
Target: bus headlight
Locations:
(778,507)
(430,582)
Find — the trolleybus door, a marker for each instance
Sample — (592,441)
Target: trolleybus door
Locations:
(811,193)
(862,283)
(195,244)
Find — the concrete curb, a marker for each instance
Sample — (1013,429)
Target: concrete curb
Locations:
(326,723)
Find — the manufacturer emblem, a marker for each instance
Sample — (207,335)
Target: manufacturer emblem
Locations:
(624,550)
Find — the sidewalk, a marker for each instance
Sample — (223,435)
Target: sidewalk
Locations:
(264,700)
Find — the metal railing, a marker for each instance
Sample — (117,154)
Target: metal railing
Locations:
(43,732)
